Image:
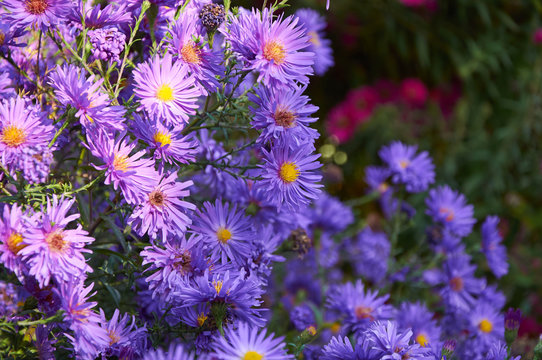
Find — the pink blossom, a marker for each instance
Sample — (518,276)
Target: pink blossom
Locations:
(414,92)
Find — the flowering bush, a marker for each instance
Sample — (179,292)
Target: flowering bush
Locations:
(163,199)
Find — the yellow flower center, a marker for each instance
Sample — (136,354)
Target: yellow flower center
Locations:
(314,38)
(56,241)
(422,339)
(201,319)
(2,38)
(223,235)
(274,51)
(14,242)
(191,53)
(113,337)
(485,326)
(311,330)
(163,138)
(218,286)
(165,93)
(335,327)
(289,172)
(252,355)
(120,163)
(12,136)
(404,163)
(383,187)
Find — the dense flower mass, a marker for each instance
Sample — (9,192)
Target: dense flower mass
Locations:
(165,194)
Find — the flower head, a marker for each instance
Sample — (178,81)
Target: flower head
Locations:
(315,24)
(492,247)
(449,209)
(37,14)
(12,226)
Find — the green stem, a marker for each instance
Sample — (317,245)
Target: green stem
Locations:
(62,128)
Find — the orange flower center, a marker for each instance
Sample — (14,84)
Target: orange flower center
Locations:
(56,241)
(449,213)
(284,117)
(13,136)
(14,242)
(191,53)
(157,198)
(456,283)
(36,7)
(274,51)
(363,312)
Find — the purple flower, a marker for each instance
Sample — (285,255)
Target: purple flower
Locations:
(289,175)
(107,43)
(392,344)
(492,247)
(341,349)
(12,226)
(168,142)
(11,298)
(330,214)
(369,253)
(34,162)
(376,177)
(93,106)
(164,209)
(319,45)
(123,335)
(449,209)
(175,352)
(283,112)
(172,265)
(249,342)
(225,230)
(302,317)
(88,339)
(51,250)
(37,14)
(415,171)
(272,48)
(96,17)
(360,307)
(190,49)
(419,319)
(133,174)
(486,323)
(166,89)
(499,351)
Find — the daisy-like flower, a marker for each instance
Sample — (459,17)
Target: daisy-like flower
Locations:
(89,338)
(52,251)
(225,230)
(283,112)
(12,226)
(359,307)
(133,174)
(123,335)
(319,45)
(175,352)
(415,171)
(189,48)
(449,209)
(392,344)
(250,343)
(274,48)
(166,89)
(341,349)
(369,252)
(417,317)
(237,295)
(168,142)
(93,106)
(172,265)
(487,323)
(37,14)
(289,175)
(97,17)
(492,247)
(164,210)
(21,126)
(330,214)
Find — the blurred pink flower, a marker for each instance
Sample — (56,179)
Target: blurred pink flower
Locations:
(388,91)
(414,92)
(537,36)
(446,96)
(362,102)
(341,122)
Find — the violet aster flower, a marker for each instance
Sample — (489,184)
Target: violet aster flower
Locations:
(190,49)
(168,141)
(499,351)
(166,89)
(302,317)
(486,323)
(238,296)
(88,339)
(274,48)
(164,210)
(289,175)
(86,96)
(249,342)
(133,174)
(113,14)
(225,230)
(449,208)
(51,250)
(377,178)
(392,344)
(359,306)
(492,247)
(175,352)
(123,334)
(369,253)
(21,126)
(12,226)
(459,284)
(415,171)
(330,214)
(107,43)
(34,162)
(37,14)
(172,265)
(340,348)
(283,112)
(417,317)
(319,45)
